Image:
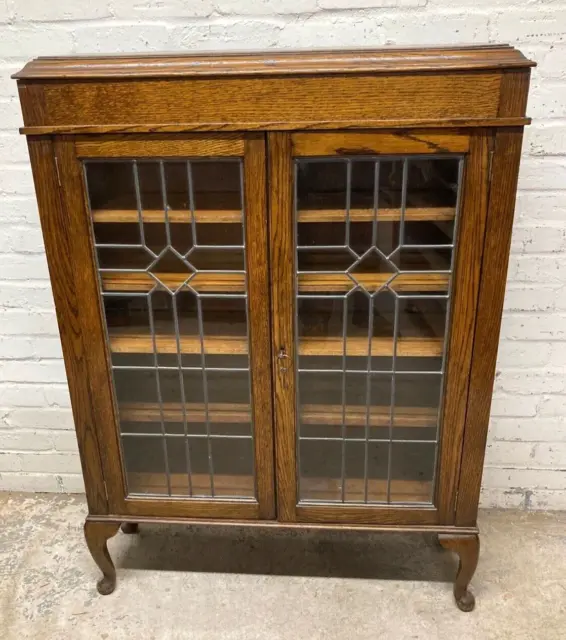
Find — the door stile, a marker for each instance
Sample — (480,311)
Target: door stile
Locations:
(282,275)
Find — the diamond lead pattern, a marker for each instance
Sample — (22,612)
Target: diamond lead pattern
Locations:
(365,401)
(163,324)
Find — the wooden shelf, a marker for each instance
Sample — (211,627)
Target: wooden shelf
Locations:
(379,416)
(194,412)
(341,283)
(213,345)
(330,489)
(202,282)
(232,485)
(308,283)
(412,214)
(231,216)
(124,342)
(152,216)
(406,347)
(311,488)
(315,414)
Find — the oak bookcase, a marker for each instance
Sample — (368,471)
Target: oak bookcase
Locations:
(279,280)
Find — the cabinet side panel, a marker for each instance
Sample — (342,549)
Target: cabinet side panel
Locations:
(466,286)
(282,305)
(63,255)
(505,169)
(96,374)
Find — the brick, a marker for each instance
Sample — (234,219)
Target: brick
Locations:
(227,34)
(64,440)
(148,9)
(26,10)
(25,441)
(546,100)
(26,295)
(539,239)
(502,499)
(534,327)
(109,38)
(20,347)
(538,24)
(31,482)
(43,418)
(22,267)
(368,4)
(540,205)
(20,239)
(13,147)
(538,429)
(10,462)
(71,482)
(531,381)
(28,41)
(552,63)
(542,173)
(548,500)
(523,478)
(8,87)
(34,395)
(546,138)
(19,209)
(11,114)
(32,371)
(17,322)
(16,179)
(554,405)
(514,353)
(550,269)
(529,297)
(50,462)
(519,406)
(532,455)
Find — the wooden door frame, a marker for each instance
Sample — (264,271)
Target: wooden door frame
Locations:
(282,147)
(68,232)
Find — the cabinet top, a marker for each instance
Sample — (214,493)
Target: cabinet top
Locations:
(384,60)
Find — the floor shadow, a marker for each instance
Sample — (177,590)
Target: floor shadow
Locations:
(287,552)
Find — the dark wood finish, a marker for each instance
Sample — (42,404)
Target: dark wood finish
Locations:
(468,550)
(464,297)
(282,317)
(505,169)
(267,109)
(97,535)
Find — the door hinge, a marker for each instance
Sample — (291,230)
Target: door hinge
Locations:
(57,169)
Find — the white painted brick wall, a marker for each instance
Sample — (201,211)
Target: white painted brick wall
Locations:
(526,458)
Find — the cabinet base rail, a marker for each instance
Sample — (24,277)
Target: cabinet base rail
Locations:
(464,541)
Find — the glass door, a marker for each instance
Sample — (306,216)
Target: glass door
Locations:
(179,234)
(375,221)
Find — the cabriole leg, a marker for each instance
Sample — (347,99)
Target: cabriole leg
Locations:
(468,550)
(97,534)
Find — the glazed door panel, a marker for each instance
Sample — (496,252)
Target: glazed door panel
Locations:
(178,225)
(372,324)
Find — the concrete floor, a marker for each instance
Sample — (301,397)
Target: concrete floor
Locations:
(174,582)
